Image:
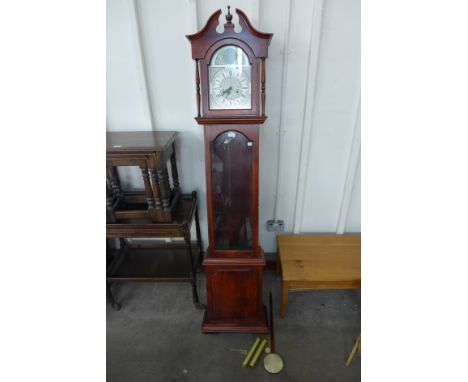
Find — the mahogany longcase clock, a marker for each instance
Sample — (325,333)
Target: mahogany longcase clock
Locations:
(230,92)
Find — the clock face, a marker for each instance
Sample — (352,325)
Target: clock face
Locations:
(230,81)
(230,89)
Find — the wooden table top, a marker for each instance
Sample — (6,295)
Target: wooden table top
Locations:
(320,258)
(131,141)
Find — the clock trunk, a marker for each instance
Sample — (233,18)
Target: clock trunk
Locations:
(235,262)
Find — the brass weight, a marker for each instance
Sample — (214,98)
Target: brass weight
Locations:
(259,351)
(251,352)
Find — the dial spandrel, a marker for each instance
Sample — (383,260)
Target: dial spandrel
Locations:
(230,79)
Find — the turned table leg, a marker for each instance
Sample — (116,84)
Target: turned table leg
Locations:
(148,189)
(284,298)
(193,275)
(110,297)
(156,192)
(199,241)
(114,182)
(164,188)
(175,173)
(110,216)
(278,264)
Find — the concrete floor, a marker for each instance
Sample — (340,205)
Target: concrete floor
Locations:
(156,337)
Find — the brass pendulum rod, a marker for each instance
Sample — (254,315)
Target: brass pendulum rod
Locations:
(272,328)
(272,362)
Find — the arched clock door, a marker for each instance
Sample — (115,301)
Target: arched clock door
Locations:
(230,95)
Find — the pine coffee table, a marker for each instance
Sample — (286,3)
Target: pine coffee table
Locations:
(316,261)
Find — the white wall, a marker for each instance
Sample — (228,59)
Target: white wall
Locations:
(313,110)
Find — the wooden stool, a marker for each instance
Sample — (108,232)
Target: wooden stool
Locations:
(311,262)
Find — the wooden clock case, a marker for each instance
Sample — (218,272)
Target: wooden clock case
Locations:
(235,261)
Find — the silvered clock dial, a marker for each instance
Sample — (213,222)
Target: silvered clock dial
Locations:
(230,80)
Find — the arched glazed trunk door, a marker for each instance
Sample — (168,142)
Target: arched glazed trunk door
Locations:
(231,174)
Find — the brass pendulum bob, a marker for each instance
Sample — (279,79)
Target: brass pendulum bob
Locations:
(272,361)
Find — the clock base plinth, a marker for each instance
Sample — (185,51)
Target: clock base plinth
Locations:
(234,287)
(236,326)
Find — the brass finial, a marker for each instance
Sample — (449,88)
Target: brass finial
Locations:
(229,16)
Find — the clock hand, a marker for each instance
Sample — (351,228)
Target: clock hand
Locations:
(228,90)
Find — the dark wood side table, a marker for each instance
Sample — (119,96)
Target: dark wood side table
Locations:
(151,152)
(155,262)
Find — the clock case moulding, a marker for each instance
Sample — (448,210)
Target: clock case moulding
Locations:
(234,277)
(254,43)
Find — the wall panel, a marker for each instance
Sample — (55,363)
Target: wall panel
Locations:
(353,223)
(337,100)
(126,99)
(321,108)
